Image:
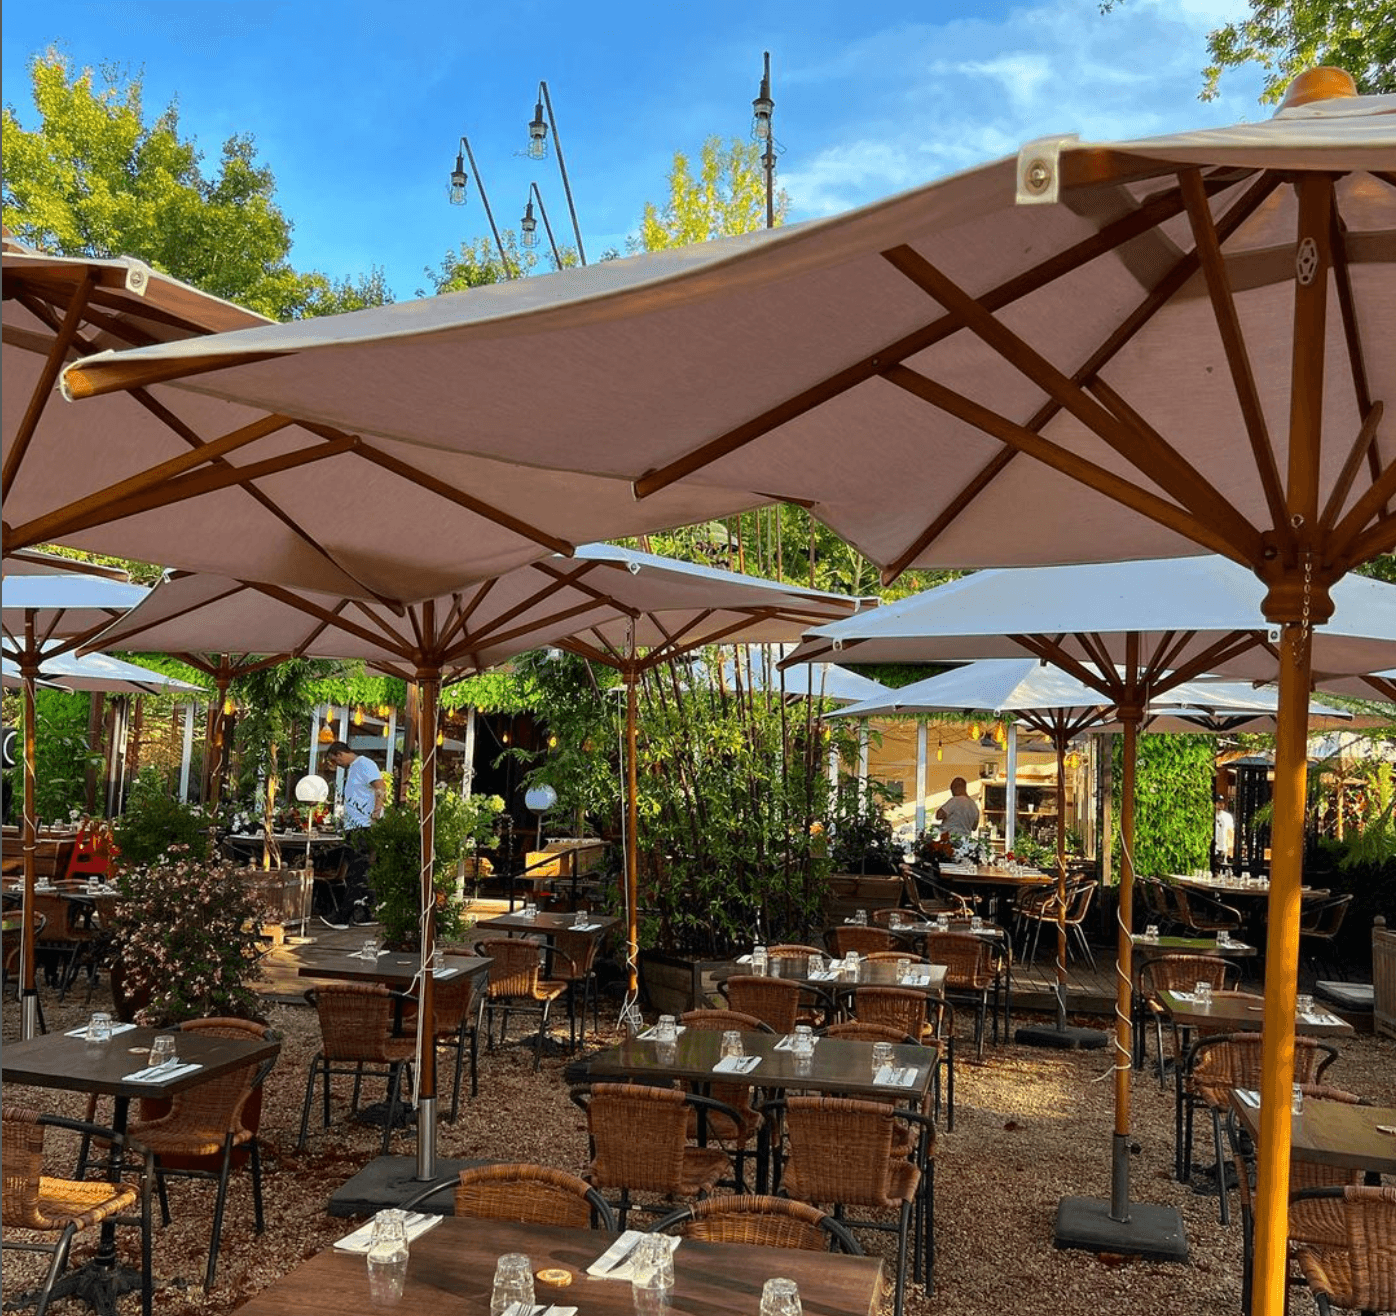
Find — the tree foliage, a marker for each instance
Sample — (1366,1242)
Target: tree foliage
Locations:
(1173,810)
(94,177)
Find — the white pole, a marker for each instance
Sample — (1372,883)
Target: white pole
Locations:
(186,754)
(467,784)
(315,738)
(392,738)
(339,772)
(863,760)
(922,741)
(1010,802)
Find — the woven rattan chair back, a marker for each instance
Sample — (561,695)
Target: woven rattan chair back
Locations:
(792,950)
(859,1030)
(451,1003)
(893,1007)
(576,955)
(851,936)
(757,1221)
(722,1020)
(23,1166)
(514,971)
(638,1136)
(355,1018)
(530,1194)
(217,1106)
(841,1151)
(967,959)
(1232,1060)
(1360,1273)
(774,1001)
(1180,973)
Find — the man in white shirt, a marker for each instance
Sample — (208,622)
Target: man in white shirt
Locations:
(365,794)
(1223,836)
(959,815)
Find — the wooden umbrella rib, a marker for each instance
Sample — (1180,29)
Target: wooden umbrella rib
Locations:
(1068,463)
(1170,646)
(461,498)
(491,628)
(1158,297)
(1100,656)
(365,610)
(1208,247)
(1377,539)
(108,376)
(1364,445)
(1369,505)
(472,642)
(293,600)
(72,322)
(1157,460)
(1051,651)
(1113,235)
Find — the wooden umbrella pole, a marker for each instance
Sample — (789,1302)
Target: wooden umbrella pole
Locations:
(1059,737)
(1124,983)
(632,816)
(428,688)
(29,995)
(219,754)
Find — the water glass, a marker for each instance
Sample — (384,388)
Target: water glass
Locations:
(99,1027)
(976,924)
(731,1043)
(654,1252)
(162,1050)
(513,1284)
(780,1297)
(760,961)
(580,919)
(881,1057)
(816,965)
(1223,937)
(942,923)
(1202,993)
(369,950)
(802,1044)
(1304,1003)
(894,919)
(387,1258)
(1296,1100)
(861,918)
(438,960)
(648,1292)
(667,1029)
(530,909)
(1151,932)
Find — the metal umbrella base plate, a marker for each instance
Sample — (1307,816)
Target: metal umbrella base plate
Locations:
(1065,1038)
(1153,1232)
(391,1181)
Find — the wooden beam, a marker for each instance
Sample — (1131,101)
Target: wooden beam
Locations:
(112,377)
(302,604)
(1364,445)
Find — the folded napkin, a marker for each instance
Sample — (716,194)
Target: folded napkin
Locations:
(736,1064)
(580,927)
(649,1034)
(901,1077)
(743,959)
(362,1238)
(615,1263)
(824,975)
(917,980)
(787,1043)
(115,1028)
(160,1073)
(1317,1017)
(1188,997)
(519,1309)
(1248,1096)
(438,974)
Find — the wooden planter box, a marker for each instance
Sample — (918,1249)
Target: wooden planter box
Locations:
(675,983)
(1383,978)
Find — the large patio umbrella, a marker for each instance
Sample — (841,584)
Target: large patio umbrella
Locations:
(1184,335)
(101,672)
(48,611)
(625,608)
(1133,632)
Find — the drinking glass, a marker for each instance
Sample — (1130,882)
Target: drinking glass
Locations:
(648,1291)
(579,919)
(816,965)
(902,967)
(861,918)
(513,1284)
(894,919)
(654,1252)
(667,1029)
(780,1297)
(1223,937)
(760,961)
(369,950)
(530,909)
(1304,1003)
(881,1057)
(1296,1100)
(803,1040)
(1202,992)
(976,924)
(438,960)
(731,1043)
(1151,932)
(99,1027)
(942,923)
(387,1258)
(162,1050)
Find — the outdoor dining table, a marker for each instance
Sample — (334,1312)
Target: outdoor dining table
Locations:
(929,979)
(73,1064)
(1147,948)
(1242,1012)
(547,924)
(394,969)
(451,1270)
(1333,1133)
(52,851)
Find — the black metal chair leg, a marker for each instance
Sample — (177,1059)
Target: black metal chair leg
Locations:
(219,1206)
(255,1159)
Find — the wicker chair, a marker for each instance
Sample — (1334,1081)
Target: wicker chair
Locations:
(844,1152)
(774,1001)
(760,1221)
(1176,973)
(1201,913)
(1361,1273)
(458,1008)
(531,1195)
(516,984)
(574,962)
(31,1200)
(854,1030)
(1042,911)
(355,1031)
(844,937)
(1212,1068)
(927,1020)
(197,1139)
(924,892)
(1319,921)
(1316,1222)
(12,970)
(735,1137)
(639,1139)
(792,950)
(970,973)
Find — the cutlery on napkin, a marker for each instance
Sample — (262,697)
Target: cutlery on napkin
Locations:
(417,1223)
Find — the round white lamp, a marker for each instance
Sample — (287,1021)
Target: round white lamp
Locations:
(310,790)
(539,799)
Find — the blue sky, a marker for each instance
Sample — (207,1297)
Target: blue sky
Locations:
(357,107)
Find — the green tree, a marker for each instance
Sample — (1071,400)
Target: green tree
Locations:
(727,196)
(1285,37)
(94,178)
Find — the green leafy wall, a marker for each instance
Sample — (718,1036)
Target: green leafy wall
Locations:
(1173,809)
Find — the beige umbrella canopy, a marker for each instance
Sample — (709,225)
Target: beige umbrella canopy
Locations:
(1188,339)
(624,608)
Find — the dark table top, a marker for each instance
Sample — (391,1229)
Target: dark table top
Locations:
(1145,949)
(395,969)
(1241,1012)
(544,922)
(871,973)
(76,1065)
(1224,888)
(986,875)
(837,1065)
(1334,1133)
(452,1271)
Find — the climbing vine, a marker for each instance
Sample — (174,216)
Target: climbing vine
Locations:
(1174,782)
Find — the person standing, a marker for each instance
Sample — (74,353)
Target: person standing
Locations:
(365,794)
(1223,837)
(959,814)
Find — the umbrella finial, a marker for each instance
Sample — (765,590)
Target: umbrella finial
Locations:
(1324,83)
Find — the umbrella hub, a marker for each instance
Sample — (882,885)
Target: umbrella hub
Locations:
(1298,594)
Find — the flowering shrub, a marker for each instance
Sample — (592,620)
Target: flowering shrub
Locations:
(186,932)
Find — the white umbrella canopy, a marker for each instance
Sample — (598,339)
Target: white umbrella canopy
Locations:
(100,671)
(825,681)
(994,685)
(1226,708)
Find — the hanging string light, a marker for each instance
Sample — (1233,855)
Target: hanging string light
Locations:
(230,706)
(974,730)
(940,750)
(358,717)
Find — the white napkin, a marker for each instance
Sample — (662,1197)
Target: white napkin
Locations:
(1189,997)
(915,979)
(824,975)
(902,1077)
(614,1262)
(736,1064)
(787,1043)
(160,1073)
(580,927)
(1316,1017)
(743,959)
(361,1239)
(115,1028)
(438,974)
(1248,1096)
(359,955)
(649,1034)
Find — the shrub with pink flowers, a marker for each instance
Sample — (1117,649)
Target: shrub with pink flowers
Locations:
(187,935)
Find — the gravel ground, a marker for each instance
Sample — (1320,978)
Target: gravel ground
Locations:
(1031,1127)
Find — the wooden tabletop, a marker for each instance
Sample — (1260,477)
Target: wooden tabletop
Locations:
(1240,1012)
(74,1064)
(1152,949)
(838,1066)
(871,973)
(452,1271)
(545,922)
(395,969)
(986,875)
(1334,1133)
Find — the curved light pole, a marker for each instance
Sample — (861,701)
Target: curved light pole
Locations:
(528,225)
(538,150)
(457,195)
